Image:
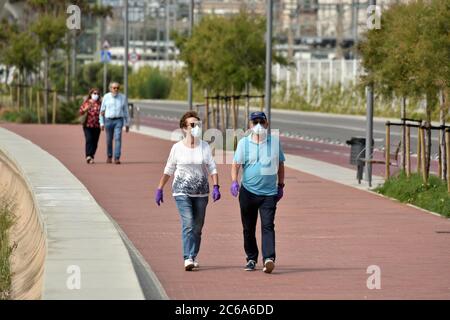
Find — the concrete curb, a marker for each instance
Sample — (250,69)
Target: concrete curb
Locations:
(81,242)
(150,284)
(409,205)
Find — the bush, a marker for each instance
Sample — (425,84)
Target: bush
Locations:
(68,112)
(149,83)
(157,86)
(179,88)
(19,116)
(6,221)
(433,197)
(8,114)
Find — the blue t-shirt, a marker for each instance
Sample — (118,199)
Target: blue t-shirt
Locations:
(260,164)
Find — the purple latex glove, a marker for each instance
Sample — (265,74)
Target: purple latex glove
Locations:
(280,192)
(216,193)
(234,188)
(159,197)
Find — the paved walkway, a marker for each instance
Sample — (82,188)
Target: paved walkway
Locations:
(327,234)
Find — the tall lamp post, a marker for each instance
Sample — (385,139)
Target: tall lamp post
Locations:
(191,26)
(268,89)
(125,60)
(369,125)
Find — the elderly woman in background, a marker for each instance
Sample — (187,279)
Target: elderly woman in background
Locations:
(90,112)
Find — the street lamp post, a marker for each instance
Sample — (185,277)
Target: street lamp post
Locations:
(191,26)
(268,89)
(369,125)
(126,38)
(168,4)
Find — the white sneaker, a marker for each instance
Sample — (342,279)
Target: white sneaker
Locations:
(269,265)
(188,264)
(196,264)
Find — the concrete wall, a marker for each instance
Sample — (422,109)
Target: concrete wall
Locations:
(28,258)
(61,231)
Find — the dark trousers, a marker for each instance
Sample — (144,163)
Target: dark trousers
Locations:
(91,135)
(250,204)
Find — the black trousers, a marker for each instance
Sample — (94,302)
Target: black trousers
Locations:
(91,135)
(250,204)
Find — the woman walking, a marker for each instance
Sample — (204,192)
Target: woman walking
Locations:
(190,161)
(90,112)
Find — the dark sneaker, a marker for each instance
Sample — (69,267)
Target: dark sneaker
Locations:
(117,161)
(109,160)
(269,265)
(250,266)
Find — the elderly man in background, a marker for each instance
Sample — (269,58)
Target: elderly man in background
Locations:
(113,117)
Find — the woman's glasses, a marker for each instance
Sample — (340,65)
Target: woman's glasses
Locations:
(261,121)
(193,124)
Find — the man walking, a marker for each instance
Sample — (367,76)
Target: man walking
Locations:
(113,117)
(262,160)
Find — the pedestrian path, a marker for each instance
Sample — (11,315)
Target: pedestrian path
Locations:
(328,233)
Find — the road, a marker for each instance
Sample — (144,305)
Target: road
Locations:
(314,135)
(328,128)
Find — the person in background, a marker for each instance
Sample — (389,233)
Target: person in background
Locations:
(190,161)
(91,127)
(113,117)
(262,160)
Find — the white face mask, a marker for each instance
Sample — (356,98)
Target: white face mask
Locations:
(259,130)
(95,97)
(196,132)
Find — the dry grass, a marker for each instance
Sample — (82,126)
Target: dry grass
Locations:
(6,221)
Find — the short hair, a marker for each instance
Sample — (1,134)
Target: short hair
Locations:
(115,82)
(187,115)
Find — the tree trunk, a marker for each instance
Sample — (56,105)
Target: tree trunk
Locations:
(46,85)
(247,106)
(19,96)
(73,64)
(403,133)
(442,148)
(428,139)
(67,68)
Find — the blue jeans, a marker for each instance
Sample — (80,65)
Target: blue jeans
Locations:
(113,128)
(192,213)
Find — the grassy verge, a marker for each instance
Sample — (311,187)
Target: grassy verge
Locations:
(6,221)
(433,197)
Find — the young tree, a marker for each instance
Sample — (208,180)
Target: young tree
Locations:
(23,52)
(225,54)
(409,55)
(49,31)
